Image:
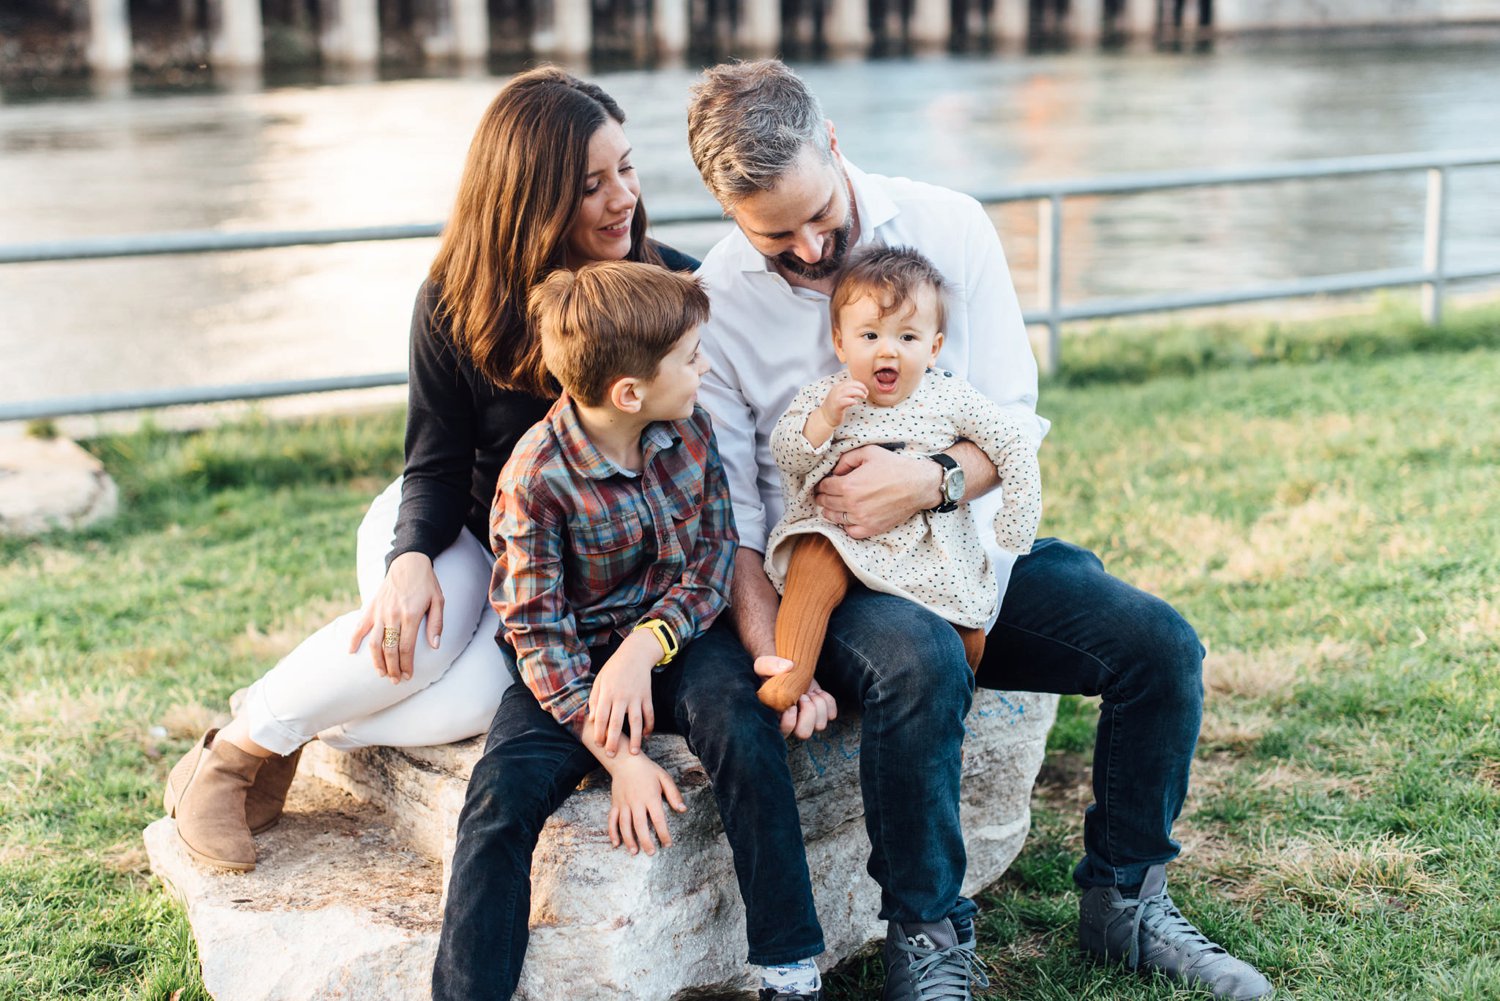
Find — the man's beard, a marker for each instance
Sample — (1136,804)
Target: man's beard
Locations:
(788,261)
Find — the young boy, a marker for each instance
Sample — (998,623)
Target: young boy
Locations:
(615,540)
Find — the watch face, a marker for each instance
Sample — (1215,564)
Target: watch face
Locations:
(953,485)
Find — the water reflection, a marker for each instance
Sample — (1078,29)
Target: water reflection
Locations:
(372,152)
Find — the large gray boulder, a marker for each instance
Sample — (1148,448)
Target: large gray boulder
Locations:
(51,483)
(604,924)
(337,907)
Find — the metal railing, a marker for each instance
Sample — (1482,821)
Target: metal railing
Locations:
(1432,275)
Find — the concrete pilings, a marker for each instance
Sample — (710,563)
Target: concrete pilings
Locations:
(109,37)
(760,25)
(847,25)
(471,29)
(568,33)
(1086,20)
(350,30)
(461,31)
(1012,18)
(670,21)
(235,38)
(1141,17)
(931,22)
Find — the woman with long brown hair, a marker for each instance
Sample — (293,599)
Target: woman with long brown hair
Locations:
(548,183)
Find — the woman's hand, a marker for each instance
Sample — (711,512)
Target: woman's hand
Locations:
(410,590)
(637,787)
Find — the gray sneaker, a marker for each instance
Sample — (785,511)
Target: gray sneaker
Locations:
(965,934)
(1150,934)
(926,962)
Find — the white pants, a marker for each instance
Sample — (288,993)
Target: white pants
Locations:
(322,690)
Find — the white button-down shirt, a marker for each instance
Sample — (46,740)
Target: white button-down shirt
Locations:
(766,339)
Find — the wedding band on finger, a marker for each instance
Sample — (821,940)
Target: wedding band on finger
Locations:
(390,637)
(843,517)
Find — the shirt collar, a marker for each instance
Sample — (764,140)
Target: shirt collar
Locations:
(875,208)
(585,458)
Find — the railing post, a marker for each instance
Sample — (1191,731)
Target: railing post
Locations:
(1049,275)
(1434,249)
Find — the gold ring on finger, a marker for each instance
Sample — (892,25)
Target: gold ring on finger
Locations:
(390,637)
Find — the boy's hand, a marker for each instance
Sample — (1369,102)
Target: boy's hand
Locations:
(637,787)
(623,691)
(840,398)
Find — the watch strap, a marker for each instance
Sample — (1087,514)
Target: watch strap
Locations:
(949,464)
(665,636)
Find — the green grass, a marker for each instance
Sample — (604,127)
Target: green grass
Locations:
(230,544)
(1135,351)
(1326,522)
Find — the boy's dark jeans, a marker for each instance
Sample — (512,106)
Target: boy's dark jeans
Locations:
(531,764)
(1065,626)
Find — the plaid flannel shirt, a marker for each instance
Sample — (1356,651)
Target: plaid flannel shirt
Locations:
(585,551)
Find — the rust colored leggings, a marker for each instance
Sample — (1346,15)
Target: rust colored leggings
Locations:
(816,581)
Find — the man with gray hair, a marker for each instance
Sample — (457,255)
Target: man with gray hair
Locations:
(766,152)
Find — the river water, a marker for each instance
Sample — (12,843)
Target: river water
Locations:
(356,154)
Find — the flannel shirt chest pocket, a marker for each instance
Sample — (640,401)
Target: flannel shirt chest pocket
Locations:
(606,551)
(685,509)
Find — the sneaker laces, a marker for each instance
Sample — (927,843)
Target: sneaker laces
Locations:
(1159,916)
(944,973)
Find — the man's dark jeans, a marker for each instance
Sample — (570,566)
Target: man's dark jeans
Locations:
(1065,626)
(531,764)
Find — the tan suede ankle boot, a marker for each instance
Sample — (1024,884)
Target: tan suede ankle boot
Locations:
(177,778)
(267,797)
(209,805)
(266,800)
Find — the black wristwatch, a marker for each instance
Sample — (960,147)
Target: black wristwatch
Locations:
(953,482)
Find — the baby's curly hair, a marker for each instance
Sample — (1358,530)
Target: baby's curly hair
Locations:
(892,275)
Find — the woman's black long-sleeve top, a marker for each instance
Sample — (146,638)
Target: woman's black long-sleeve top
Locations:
(460,430)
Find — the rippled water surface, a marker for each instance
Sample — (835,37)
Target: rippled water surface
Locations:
(366,153)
